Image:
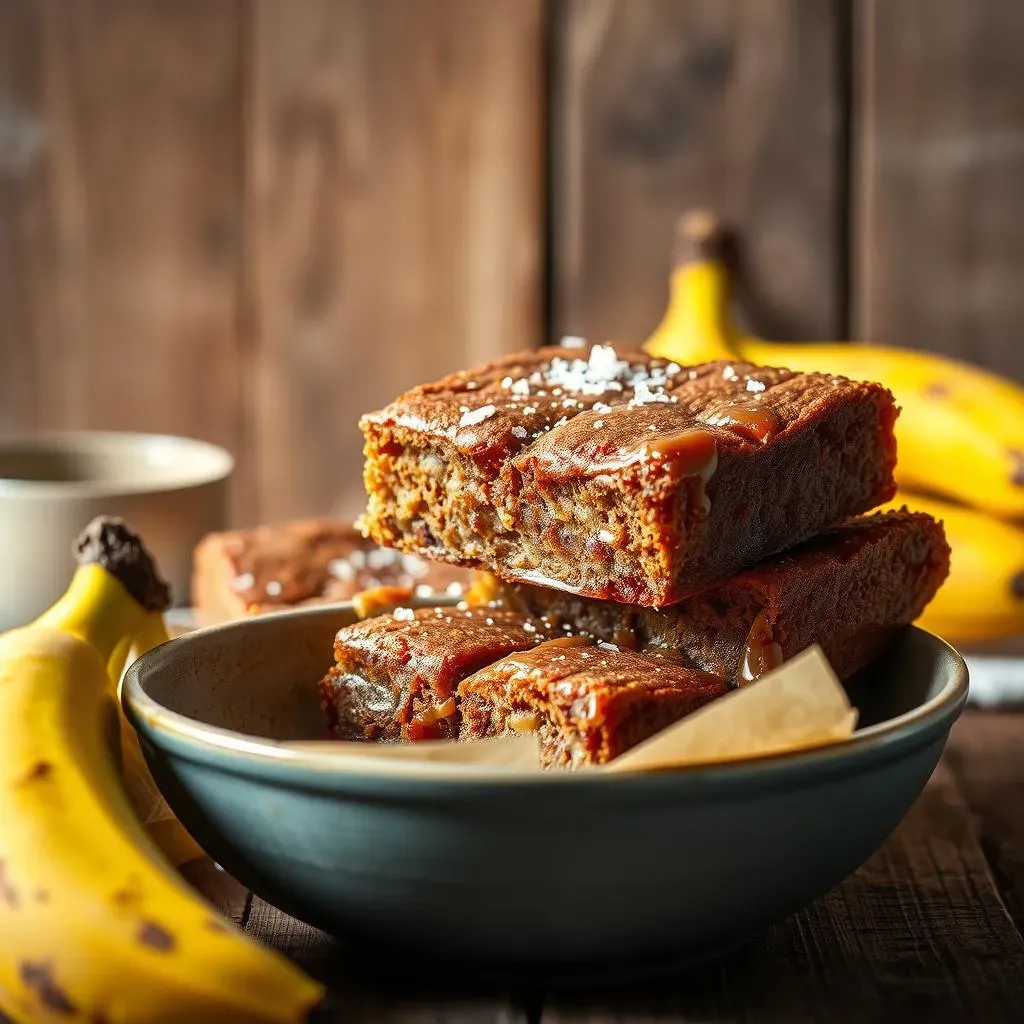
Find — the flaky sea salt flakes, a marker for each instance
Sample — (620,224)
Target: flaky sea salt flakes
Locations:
(729,372)
(529,410)
(521,386)
(471,419)
(755,385)
(529,627)
(403,615)
(274,588)
(520,432)
(601,407)
(598,424)
(341,569)
(643,395)
(605,535)
(572,341)
(506,382)
(454,589)
(243,582)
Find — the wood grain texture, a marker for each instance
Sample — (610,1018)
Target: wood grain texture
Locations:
(940,144)
(123,227)
(355,1000)
(919,933)
(24,213)
(395,149)
(986,752)
(665,105)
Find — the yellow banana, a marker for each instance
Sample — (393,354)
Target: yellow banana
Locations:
(173,840)
(961,430)
(94,924)
(983,596)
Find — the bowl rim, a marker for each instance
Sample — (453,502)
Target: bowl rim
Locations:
(220,464)
(249,754)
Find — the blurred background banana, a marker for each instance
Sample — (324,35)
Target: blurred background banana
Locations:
(94,923)
(960,432)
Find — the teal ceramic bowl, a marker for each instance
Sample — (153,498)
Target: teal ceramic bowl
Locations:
(552,874)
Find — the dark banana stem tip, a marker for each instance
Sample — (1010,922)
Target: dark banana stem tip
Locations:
(114,545)
(700,237)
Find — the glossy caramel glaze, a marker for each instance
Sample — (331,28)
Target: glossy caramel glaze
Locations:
(589,704)
(393,671)
(615,475)
(849,589)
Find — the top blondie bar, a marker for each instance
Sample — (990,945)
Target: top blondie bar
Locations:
(616,475)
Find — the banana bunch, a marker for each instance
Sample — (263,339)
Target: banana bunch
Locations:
(94,923)
(960,433)
(983,596)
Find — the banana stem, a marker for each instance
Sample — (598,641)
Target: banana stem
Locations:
(115,585)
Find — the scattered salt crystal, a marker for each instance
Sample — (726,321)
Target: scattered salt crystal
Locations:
(529,627)
(729,372)
(341,569)
(529,409)
(404,615)
(521,387)
(381,558)
(520,432)
(463,408)
(755,385)
(506,382)
(489,621)
(423,590)
(598,424)
(454,589)
(413,565)
(601,407)
(606,535)
(672,369)
(572,341)
(652,427)
(472,385)
(274,588)
(643,395)
(243,582)
(358,559)
(471,419)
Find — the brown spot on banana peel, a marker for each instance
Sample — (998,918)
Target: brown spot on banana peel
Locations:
(1017,473)
(8,893)
(155,936)
(39,771)
(38,978)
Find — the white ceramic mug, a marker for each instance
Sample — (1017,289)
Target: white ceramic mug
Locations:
(172,490)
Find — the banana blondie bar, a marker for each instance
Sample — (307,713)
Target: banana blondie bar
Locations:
(619,476)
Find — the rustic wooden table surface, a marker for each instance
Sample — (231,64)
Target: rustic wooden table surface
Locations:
(930,929)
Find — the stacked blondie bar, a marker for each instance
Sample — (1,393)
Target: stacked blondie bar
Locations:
(652,535)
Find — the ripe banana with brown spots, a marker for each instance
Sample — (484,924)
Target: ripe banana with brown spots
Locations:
(94,924)
(960,432)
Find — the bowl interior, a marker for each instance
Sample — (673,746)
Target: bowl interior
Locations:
(259,676)
(93,461)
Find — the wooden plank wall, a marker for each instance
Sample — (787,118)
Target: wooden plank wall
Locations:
(251,221)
